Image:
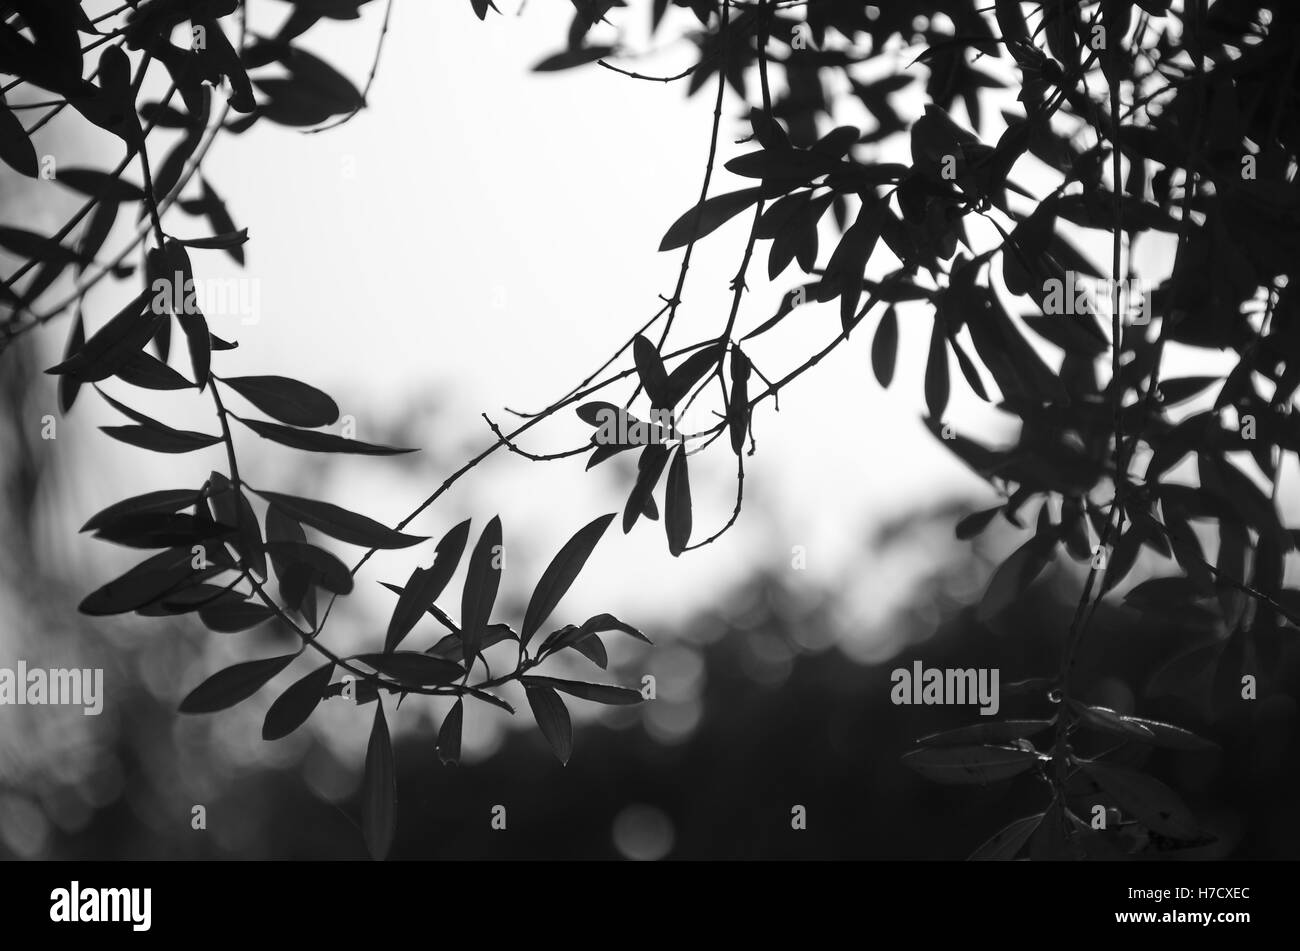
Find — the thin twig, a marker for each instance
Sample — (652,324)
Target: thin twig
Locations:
(370,80)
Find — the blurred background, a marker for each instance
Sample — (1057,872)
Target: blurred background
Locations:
(481,237)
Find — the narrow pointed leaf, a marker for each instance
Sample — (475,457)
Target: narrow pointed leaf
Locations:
(228,687)
(327,570)
(16,148)
(146,583)
(677,504)
(413,668)
(146,371)
(553,719)
(379,790)
(937,386)
(290,401)
(1000,731)
(426,584)
(69,385)
(970,764)
(163,500)
(738,408)
(597,693)
(1172,737)
(112,345)
(480,593)
(168,440)
(691,370)
(710,215)
(649,467)
(884,348)
(593,648)
(340,523)
(233,613)
(318,442)
(1004,846)
(650,368)
(450,733)
(561,573)
(292,708)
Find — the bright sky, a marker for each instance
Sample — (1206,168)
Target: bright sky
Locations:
(486,236)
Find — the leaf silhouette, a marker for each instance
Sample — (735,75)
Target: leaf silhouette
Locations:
(162,500)
(222,241)
(738,407)
(425,585)
(314,91)
(340,523)
(212,207)
(289,401)
(712,214)
(691,370)
(480,593)
(158,530)
(561,573)
(232,613)
(650,368)
(449,734)
(450,648)
(570,636)
(69,385)
(571,58)
(1150,801)
(592,648)
(193,323)
(413,668)
(848,263)
(1010,840)
(937,386)
(148,582)
(1015,574)
(228,687)
(166,440)
(998,732)
(597,693)
(884,348)
(974,524)
(101,185)
(1172,737)
(113,344)
(318,442)
(553,719)
(16,148)
(292,708)
(326,569)
(649,467)
(970,764)
(677,504)
(29,244)
(379,790)
(148,372)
